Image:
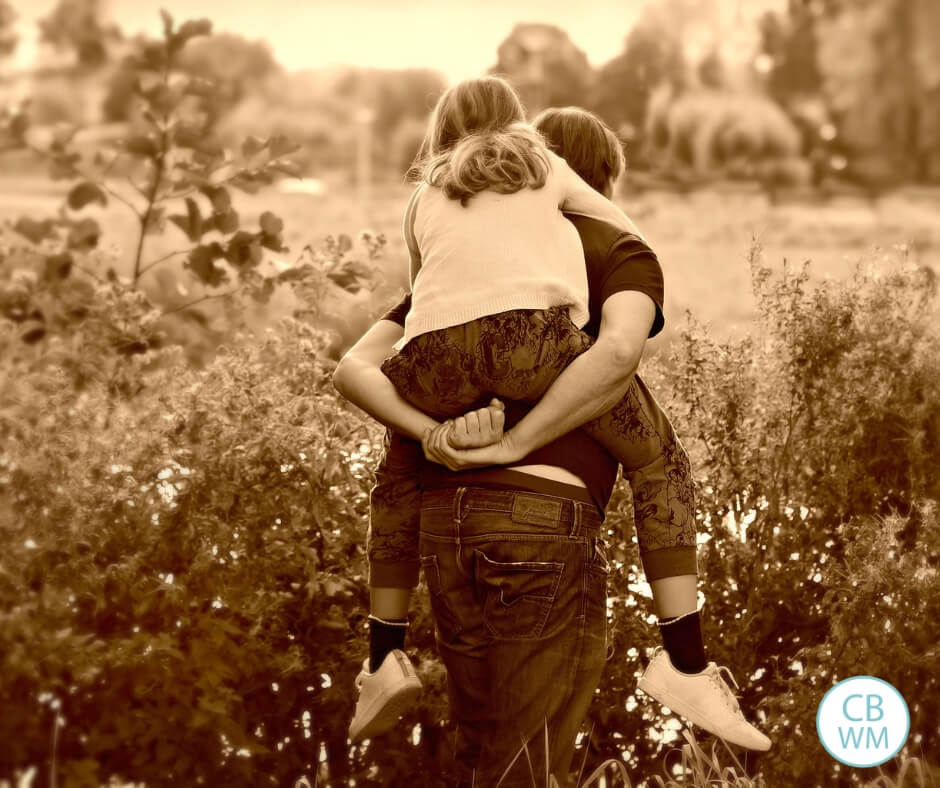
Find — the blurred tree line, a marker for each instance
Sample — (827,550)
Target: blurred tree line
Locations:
(87,72)
(820,92)
(824,89)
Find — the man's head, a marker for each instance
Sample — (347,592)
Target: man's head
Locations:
(583,140)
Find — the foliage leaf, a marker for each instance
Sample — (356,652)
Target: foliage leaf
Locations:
(253,146)
(58,266)
(191,28)
(142,145)
(263,293)
(191,223)
(227,222)
(282,146)
(201,262)
(237,251)
(84,235)
(271,224)
(85,193)
(35,231)
(188,135)
(219,196)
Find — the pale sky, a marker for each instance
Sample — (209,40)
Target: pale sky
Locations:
(456,37)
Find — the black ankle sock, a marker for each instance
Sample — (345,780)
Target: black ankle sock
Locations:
(682,638)
(384,635)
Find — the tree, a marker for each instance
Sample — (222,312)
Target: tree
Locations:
(790,42)
(8,38)
(76,26)
(881,72)
(876,68)
(545,66)
(394,94)
(235,66)
(659,53)
(624,84)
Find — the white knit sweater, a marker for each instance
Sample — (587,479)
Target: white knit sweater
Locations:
(500,251)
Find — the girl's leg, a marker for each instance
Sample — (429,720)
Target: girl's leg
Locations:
(392,545)
(638,433)
(675,596)
(387,686)
(389,603)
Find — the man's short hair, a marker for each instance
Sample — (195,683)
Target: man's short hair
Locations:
(583,140)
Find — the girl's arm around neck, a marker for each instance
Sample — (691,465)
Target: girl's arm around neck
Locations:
(578,197)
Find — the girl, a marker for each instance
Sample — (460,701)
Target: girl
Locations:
(499,294)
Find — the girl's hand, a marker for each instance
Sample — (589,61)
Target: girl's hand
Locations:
(477,428)
(437,449)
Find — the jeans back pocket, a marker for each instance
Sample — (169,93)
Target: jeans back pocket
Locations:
(518,595)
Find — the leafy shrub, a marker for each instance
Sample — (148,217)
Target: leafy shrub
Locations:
(183,575)
(182,589)
(171,160)
(815,443)
(711,131)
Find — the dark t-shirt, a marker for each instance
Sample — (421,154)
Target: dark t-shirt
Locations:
(616,261)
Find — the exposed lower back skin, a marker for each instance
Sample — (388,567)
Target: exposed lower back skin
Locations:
(551,472)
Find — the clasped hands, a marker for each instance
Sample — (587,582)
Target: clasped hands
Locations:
(473,440)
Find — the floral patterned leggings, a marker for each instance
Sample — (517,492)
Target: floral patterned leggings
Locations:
(517,355)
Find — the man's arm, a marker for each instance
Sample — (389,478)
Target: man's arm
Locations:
(608,365)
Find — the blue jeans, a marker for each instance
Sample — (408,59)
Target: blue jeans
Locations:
(518,585)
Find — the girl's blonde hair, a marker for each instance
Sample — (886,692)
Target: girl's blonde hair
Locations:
(477,139)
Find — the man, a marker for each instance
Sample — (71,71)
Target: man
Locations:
(513,556)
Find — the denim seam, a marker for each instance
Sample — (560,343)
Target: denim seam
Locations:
(435,588)
(519,537)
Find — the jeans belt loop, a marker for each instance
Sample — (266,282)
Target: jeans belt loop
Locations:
(458,500)
(576,520)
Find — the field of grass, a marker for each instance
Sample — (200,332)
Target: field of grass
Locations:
(702,238)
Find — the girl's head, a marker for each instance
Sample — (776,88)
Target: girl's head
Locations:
(477,139)
(583,140)
(474,106)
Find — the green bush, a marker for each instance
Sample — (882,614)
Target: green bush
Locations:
(815,443)
(182,593)
(711,132)
(182,584)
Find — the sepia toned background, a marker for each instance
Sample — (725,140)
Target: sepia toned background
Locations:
(200,206)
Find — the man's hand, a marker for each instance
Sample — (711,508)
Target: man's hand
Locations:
(477,428)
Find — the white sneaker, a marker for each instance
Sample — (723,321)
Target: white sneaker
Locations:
(383,696)
(703,698)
